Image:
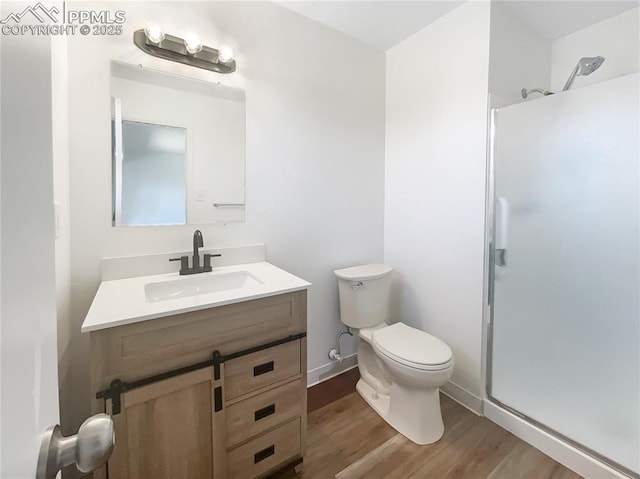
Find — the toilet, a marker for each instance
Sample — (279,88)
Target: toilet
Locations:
(401,368)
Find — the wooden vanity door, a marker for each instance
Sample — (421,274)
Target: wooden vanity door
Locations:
(167,430)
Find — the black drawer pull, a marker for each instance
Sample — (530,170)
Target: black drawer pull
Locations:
(262,455)
(264,412)
(263,368)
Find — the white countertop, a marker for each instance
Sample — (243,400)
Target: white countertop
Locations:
(123,301)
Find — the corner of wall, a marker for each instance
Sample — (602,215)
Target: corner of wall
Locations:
(438,251)
(519,57)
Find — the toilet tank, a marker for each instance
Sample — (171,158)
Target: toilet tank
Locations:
(364,294)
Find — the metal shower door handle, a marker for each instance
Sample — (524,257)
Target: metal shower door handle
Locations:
(88,450)
(502,226)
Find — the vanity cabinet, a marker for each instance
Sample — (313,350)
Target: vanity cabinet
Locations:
(216,393)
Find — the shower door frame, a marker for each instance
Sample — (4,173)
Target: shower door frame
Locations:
(488,302)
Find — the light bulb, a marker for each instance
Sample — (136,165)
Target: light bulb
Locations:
(154,33)
(225,54)
(192,43)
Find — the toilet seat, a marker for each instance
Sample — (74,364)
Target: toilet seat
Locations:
(412,347)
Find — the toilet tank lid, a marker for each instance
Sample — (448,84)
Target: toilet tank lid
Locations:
(363,272)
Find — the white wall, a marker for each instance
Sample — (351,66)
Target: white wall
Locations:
(617,39)
(437,83)
(315,154)
(519,57)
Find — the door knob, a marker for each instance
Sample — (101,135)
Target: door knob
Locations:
(88,450)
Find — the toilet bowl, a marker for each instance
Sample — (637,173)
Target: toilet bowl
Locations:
(401,367)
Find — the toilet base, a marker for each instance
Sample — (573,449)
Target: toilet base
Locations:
(421,425)
(379,402)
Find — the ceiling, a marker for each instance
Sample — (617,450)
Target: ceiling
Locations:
(555,19)
(379,23)
(384,23)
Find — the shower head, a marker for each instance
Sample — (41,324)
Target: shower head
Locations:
(589,65)
(585,67)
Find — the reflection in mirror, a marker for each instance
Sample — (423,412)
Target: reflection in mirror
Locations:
(152,182)
(177,149)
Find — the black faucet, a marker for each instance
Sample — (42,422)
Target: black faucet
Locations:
(197,243)
(195,261)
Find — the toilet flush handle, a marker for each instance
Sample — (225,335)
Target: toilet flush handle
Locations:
(357,285)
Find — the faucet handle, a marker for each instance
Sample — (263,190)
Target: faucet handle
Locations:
(184,263)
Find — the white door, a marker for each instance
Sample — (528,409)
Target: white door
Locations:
(28,349)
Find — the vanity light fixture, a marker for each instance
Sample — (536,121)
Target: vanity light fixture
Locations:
(190,50)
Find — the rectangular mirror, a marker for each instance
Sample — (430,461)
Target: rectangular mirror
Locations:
(178,149)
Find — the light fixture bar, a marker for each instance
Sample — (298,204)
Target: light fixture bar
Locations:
(173,48)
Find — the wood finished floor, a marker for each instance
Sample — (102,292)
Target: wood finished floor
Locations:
(346,439)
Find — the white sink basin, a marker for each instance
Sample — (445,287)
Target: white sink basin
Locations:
(199,284)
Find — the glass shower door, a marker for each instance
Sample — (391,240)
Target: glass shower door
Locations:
(565,329)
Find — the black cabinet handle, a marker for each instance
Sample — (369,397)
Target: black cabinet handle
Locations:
(264,412)
(263,368)
(217,399)
(262,455)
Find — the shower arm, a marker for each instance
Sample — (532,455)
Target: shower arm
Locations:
(526,93)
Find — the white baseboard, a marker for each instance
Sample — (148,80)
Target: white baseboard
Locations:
(460,395)
(327,371)
(564,453)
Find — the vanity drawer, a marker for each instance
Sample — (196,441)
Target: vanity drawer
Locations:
(262,368)
(265,452)
(261,412)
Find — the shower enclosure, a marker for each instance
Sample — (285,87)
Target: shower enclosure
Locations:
(564,277)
